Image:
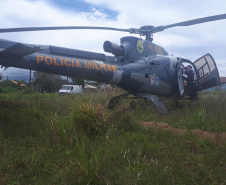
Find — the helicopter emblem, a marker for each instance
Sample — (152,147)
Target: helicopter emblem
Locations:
(140,46)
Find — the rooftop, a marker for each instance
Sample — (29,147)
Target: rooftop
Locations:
(222,79)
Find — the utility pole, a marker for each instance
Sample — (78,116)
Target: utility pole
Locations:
(172,48)
(30,79)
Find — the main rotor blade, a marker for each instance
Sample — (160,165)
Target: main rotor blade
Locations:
(6,30)
(143,30)
(195,21)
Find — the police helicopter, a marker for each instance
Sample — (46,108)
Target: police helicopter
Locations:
(139,66)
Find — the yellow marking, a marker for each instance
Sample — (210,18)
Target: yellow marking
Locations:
(100,66)
(150,46)
(114,68)
(97,68)
(72,63)
(109,68)
(66,64)
(88,65)
(78,64)
(55,62)
(61,61)
(39,58)
(103,65)
(50,60)
(158,50)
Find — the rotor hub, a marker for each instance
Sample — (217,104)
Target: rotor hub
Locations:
(147,31)
(146,28)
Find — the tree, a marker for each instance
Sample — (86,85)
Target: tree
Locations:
(46,82)
(77,81)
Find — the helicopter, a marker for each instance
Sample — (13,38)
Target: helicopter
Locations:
(140,67)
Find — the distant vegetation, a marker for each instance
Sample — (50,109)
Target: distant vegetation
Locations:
(42,82)
(45,82)
(51,139)
(7,86)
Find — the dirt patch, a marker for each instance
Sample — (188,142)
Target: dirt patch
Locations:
(218,138)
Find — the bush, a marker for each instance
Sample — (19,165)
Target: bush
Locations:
(7,90)
(123,118)
(89,118)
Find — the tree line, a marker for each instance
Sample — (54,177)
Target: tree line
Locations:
(44,82)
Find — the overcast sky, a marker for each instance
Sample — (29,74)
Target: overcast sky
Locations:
(188,42)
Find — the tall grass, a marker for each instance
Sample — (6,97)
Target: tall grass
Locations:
(90,162)
(207,114)
(89,118)
(51,139)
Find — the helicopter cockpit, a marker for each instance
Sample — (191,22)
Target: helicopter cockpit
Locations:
(205,73)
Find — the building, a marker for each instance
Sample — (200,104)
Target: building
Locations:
(223,83)
(222,86)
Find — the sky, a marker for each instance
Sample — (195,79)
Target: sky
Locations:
(188,42)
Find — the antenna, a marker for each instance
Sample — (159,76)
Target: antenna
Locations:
(172,49)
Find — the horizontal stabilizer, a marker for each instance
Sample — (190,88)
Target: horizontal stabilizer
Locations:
(18,51)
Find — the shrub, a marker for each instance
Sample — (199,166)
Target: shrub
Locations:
(89,118)
(123,118)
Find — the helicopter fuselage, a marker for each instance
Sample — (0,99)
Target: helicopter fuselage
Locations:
(139,66)
(153,74)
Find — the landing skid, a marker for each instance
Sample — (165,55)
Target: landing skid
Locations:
(116,100)
(158,104)
(161,108)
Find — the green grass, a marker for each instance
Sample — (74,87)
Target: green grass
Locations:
(208,114)
(51,139)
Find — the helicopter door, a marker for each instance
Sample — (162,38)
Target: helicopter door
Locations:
(207,72)
(180,77)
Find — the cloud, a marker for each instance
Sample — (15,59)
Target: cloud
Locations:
(42,13)
(189,42)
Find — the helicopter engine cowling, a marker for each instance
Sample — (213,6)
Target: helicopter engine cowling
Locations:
(113,48)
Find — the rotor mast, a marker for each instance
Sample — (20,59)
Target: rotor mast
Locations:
(147,32)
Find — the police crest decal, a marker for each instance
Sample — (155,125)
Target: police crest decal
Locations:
(140,46)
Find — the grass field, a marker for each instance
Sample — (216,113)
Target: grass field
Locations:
(52,139)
